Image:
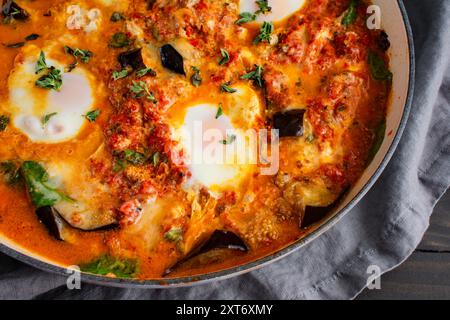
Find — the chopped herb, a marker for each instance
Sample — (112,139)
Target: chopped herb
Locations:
(155,158)
(255,75)
(116,75)
(225,57)
(196,78)
(219,111)
(47,118)
(155,33)
(108,265)
(117,16)
(52,80)
(134,157)
(15,45)
(140,89)
(12,11)
(32,37)
(145,71)
(83,55)
(4,121)
(174,235)
(119,40)
(378,67)
(351,14)
(72,66)
(341,108)
(263,6)
(41,64)
(310,138)
(226,88)
(379,133)
(37,179)
(11,171)
(245,17)
(264,33)
(119,165)
(229,140)
(91,116)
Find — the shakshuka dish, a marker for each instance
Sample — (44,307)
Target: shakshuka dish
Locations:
(166,138)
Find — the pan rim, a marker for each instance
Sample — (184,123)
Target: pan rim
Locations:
(189,281)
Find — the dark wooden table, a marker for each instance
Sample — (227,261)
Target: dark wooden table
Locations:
(426,274)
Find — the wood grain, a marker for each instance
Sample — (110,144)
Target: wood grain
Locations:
(437,237)
(426,274)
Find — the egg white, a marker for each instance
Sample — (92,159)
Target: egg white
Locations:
(214,164)
(281,9)
(29,104)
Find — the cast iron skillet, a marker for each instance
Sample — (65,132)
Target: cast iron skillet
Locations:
(383,158)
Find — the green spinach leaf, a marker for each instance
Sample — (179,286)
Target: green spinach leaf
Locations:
(108,265)
(351,14)
(37,182)
(378,68)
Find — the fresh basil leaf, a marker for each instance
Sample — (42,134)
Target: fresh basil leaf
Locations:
(245,17)
(378,67)
(4,121)
(351,14)
(174,235)
(225,57)
(134,157)
(41,64)
(116,75)
(119,40)
(51,80)
(263,7)
(219,111)
(36,180)
(108,265)
(196,78)
(91,116)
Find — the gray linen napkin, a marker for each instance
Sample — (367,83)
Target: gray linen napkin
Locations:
(382,230)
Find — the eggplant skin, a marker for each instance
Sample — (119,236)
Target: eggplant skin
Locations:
(223,240)
(383,41)
(171,59)
(289,123)
(313,215)
(57,225)
(11,9)
(133,59)
(51,219)
(218,240)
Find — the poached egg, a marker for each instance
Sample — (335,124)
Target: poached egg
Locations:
(48,115)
